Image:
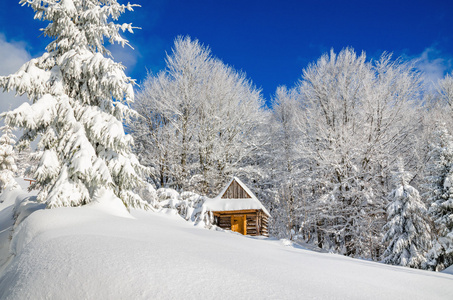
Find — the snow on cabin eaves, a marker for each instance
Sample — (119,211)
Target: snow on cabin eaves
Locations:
(230,204)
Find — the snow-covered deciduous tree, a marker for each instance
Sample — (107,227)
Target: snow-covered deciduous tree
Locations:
(439,194)
(439,108)
(7,159)
(80,97)
(445,89)
(408,233)
(287,147)
(339,133)
(199,120)
(356,121)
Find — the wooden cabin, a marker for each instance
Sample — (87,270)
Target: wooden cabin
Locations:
(236,208)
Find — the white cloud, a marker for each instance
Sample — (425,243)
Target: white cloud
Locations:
(126,56)
(12,56)
(434,65)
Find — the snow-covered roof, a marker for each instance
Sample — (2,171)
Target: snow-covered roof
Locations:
(228,204)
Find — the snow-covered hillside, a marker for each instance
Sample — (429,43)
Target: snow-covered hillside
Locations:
(100,251)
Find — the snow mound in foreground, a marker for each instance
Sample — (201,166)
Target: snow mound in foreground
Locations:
(100,252)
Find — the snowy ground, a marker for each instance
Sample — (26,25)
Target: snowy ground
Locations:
(100,251)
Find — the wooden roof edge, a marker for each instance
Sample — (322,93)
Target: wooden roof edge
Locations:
(226,212)
(225,188)
(241,211)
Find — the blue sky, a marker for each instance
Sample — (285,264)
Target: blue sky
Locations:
(271,41)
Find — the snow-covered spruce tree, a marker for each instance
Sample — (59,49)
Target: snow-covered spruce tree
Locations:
(7,159)
(439,181)
(80,99)
(438,165)
(407,231)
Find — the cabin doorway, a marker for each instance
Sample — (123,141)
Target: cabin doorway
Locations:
(239,224)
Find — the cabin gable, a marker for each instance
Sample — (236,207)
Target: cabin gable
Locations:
(235,191)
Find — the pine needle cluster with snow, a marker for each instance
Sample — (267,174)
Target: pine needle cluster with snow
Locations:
(80,99)
(7,159)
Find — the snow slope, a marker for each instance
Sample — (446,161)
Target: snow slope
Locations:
(99,251)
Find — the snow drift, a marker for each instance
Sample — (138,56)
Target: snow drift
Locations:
(100,251)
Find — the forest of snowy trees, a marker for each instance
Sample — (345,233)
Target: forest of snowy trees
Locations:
(323,158)
(355,158)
